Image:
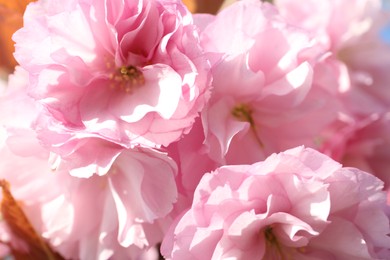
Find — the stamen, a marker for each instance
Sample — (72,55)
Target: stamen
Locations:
(269,236)
(127,78)
(273,247)
(244,113)
(276,250)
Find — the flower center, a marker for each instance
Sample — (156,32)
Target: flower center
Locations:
(128,78)
(243,113)
(270,236)
(276,250)
(273,247)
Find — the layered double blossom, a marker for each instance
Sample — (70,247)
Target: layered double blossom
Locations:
(358,77)
(129,72)
(264,92)
(298,204)
(358,52)
(131,122)
(119,215)
(263,104)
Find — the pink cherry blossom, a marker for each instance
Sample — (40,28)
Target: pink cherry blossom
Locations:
(354,72)
(354,39)
(132,123)
(121,214)
(329,21)
(298,204)
(131,72)
(367,61)
(128,205)
(368,148)
(269,95)
(25,163)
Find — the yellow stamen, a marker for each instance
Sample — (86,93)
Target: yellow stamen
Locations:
(127,78)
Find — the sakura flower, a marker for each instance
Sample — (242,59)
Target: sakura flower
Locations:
(24,162)
(368,148)
(263,106)
(121,214)
(129,206)
(358,61)
(329,21)
(366,61)
(354,38)
(131,72)
(298,204)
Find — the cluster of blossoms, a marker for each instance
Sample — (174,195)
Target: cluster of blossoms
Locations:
(134,128)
